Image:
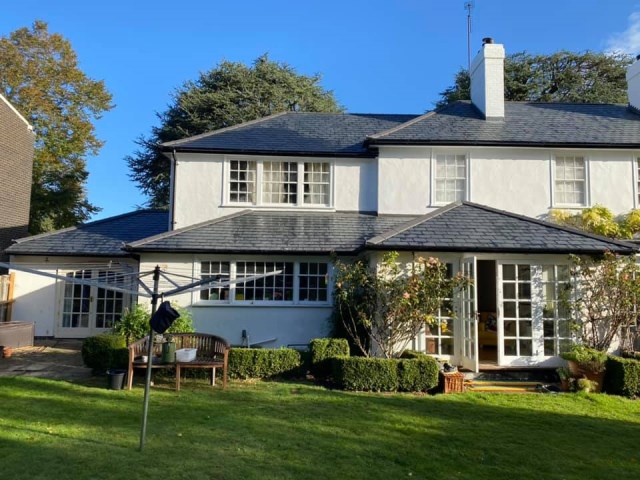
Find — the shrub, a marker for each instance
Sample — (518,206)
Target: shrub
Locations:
(413,354)
(105,351)
(385,374)
(417,375)
(587,358)
(322,350)
(134,324)
(366,374)
(264,362)
(622,377)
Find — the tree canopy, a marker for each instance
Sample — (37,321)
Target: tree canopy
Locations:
(588,77)
(229,94)
(601,221)
(40,76)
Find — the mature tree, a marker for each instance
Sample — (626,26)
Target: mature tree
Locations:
(229,94)
(588,77)
(39,75)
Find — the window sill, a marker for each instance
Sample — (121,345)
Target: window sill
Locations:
(245,304)
(274,206)
(569,206)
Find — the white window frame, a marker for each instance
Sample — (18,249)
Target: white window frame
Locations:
(259,203)
(196,301)
(433,165)
(587,181)
(635,175)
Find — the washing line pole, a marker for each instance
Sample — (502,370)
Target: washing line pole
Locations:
(147,385)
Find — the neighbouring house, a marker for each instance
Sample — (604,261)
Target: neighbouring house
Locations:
(16,159)
(470,183)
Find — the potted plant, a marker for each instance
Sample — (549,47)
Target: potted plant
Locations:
(585,362)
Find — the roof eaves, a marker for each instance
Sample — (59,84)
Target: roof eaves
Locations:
(169,145)
(280,153)
(410,224)
(169,234)
(498,143)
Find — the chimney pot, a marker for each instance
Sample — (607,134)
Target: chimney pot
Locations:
(638,57)
(487,40)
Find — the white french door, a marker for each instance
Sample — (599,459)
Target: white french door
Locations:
(533,327)
(87,310)
(468,301)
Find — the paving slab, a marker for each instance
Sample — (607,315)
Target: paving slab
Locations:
(58,359)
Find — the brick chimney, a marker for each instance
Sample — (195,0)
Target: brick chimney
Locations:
(487,80)
(633,84)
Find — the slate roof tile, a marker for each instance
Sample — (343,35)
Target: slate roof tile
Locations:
(295,132)
(469,227)
(461,123)
(100,238)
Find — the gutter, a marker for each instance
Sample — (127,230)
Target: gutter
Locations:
(172,190)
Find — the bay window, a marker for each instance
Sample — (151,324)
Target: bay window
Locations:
(304,282)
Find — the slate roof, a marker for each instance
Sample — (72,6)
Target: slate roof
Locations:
(469,227)
(100,238)
(292,133)
(275,232)
(526,124)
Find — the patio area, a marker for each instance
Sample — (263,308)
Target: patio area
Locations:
(57,359)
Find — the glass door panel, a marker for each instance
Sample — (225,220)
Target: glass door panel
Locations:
(468,300)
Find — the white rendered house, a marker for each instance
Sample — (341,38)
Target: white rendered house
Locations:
(471,184)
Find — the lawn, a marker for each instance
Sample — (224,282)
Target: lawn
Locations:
(51,429)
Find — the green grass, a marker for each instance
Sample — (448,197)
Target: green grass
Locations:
(58,430)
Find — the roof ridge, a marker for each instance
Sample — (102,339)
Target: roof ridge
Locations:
(94,222)
(411,223)
(402,125)
(171,233)
(545,223)
(223,130)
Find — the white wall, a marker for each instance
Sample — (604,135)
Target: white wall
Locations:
(514,179)
(290,324)
(201,183)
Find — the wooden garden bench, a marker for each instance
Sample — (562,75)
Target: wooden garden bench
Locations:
(212,352)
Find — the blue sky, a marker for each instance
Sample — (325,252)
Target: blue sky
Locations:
(390,56)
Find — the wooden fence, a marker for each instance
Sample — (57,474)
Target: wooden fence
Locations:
(6,296)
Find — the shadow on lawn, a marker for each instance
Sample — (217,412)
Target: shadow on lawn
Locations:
(290,430)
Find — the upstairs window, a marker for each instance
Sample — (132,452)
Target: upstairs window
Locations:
(242,182)
(280,183)
(450,179)
(570,181)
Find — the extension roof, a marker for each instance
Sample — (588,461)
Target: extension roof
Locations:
(459,227)
(469,227)
(102,238)
(524,124)
(275,232)
(294,133)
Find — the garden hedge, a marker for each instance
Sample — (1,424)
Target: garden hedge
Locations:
(105,351)
(264,363)
(385,374)
(622,377)
(321,351)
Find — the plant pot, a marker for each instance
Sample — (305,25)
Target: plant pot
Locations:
(115,379)
(7,352)
(565,384)
(578,371)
